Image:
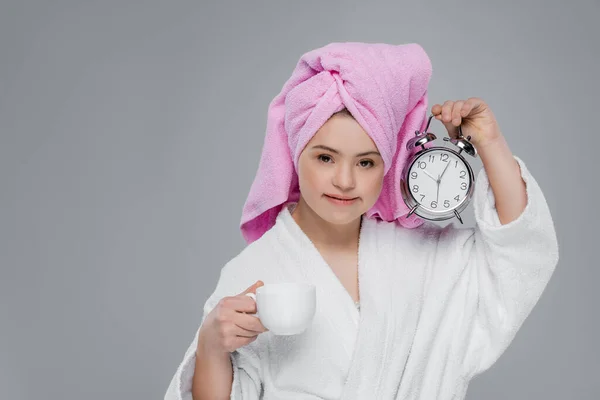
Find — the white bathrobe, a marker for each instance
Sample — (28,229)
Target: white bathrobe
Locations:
(437,306)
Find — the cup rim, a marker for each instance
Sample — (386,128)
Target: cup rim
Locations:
(286,286)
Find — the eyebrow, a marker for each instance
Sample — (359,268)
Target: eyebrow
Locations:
(320,146)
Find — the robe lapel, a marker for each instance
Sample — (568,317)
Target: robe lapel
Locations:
(390,289)
(378,340)
(335,306)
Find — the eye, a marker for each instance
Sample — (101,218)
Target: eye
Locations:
(324,158)
(367,163)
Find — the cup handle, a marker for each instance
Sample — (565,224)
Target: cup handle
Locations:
(253,298)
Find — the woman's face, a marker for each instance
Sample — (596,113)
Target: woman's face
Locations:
(340,161)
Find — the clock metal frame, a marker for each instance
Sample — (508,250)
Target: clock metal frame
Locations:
(425,212)
(420,140)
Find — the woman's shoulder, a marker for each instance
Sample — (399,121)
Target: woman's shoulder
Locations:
(255,259)
(430,236)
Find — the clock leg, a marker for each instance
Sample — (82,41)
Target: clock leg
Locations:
(412,210)
(458,216)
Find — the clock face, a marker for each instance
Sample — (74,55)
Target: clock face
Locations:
(439,180)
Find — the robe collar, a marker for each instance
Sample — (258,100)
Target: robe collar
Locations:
(390,307)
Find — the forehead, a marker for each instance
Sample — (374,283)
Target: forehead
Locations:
(343,132)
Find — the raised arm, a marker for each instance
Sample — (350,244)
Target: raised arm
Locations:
(504,264)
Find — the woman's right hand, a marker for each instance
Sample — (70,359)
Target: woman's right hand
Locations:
(227,327)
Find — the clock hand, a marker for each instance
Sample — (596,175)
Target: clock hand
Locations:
(439,180)
(438,188)
(443,172)
(429,175)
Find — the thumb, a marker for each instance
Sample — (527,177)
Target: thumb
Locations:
(255,285)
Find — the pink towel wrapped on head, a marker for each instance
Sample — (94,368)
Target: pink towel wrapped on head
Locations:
(384,87)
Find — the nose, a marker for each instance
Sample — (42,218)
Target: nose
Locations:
(344,178)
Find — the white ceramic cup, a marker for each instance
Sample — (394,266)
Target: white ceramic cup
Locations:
(285,308)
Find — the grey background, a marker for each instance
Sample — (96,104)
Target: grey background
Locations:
(130,133)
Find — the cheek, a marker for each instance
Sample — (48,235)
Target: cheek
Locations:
(375,185)
(311,180)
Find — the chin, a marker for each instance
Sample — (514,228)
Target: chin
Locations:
(339,216)
(341,219)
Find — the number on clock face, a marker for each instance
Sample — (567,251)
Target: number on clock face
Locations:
(453,176)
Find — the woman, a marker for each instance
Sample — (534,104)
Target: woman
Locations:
(437,305)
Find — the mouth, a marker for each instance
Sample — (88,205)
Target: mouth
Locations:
(341,200)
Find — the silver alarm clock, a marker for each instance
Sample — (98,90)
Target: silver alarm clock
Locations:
(437,183)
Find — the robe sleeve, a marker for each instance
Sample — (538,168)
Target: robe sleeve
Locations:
(507,270)
(245,361)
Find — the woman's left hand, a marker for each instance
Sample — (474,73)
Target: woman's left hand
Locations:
(473,115)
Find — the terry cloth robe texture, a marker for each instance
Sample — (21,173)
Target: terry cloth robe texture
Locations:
(438,306)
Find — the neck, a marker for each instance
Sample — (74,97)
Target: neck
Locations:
(324,234)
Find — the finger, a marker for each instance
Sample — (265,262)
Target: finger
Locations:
(231,330)
(471,106)
(239,303)
(242,332)
(249,324)
(447,111)
(446,118)
(437,110)
(456,113)
(253,287)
